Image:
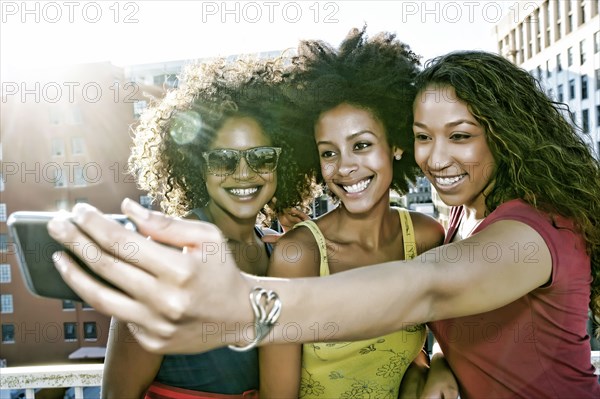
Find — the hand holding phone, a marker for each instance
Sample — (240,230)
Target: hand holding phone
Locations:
(34,250)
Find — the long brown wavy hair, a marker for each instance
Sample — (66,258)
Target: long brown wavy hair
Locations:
(539,156)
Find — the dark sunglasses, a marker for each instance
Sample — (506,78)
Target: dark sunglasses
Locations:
(224,162)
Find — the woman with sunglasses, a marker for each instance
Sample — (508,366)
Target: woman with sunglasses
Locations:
(360,148)
(210,151)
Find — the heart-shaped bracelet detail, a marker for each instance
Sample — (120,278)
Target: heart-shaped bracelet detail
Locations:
(267,308)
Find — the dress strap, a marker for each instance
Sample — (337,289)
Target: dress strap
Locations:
(408,234)
(320,239)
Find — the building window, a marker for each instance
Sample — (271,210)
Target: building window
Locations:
(598,116)
(570,56)
(571,89)
(82,200)
(58,147)
(558,62)
(585,121)
(597,42)
(74,116)
(77,144)
(70,331)
(546,10)
(79,177)
(60,179)
(6,303)
(5,276)
(569,26)
(538,32)
(54,116)
(2,212)
(548,70)
(582,12)
(582,52)
(8,333)
(598,79)
(1,183)
(538,73)
(3,242)
(520,43)
(68,304)
(86,306)
(90,332)
(584,87)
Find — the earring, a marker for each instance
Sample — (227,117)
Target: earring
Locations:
(398,157)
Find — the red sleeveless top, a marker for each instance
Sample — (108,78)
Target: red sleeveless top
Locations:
(536,346)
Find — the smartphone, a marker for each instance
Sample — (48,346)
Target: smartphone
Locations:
(34,249)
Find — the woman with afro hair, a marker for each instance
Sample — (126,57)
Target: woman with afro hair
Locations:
(356,104)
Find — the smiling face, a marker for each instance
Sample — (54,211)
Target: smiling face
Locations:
(356,160)
(451,148)
(242,194)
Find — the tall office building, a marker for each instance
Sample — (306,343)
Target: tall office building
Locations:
(558,41)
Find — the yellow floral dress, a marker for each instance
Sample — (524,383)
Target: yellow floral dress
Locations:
(370,368)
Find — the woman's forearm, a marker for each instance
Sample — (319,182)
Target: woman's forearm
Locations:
(365,303)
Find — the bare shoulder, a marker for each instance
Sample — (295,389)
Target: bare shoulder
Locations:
(429,233)
(296,254)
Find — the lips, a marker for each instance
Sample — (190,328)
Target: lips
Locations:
(243,192)
(357,187)
(447,181)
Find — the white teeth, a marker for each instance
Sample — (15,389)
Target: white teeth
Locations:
(358,187)
(243,192)
(447,181)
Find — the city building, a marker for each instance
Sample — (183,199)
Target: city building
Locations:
(558,41)
(418,197)
(65,138)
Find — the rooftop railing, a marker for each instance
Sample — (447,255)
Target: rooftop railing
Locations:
(77,376)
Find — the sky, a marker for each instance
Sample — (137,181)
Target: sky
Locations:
(49,33)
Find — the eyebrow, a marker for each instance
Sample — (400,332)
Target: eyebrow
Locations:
(351,137)
(449,124)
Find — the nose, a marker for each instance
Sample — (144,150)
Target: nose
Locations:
(438,158)
(244,172)
(347,164)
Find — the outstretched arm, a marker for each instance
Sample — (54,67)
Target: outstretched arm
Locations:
(449,281)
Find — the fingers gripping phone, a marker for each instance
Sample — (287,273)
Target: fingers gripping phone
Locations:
(34,249)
